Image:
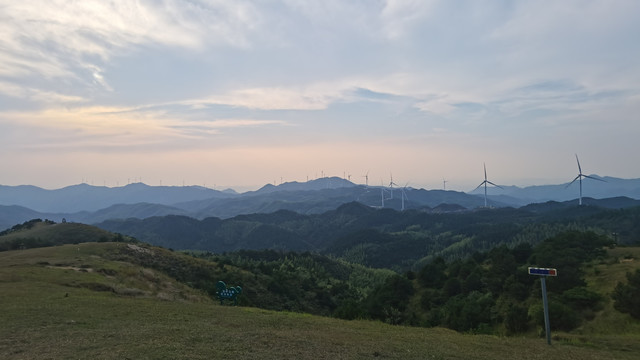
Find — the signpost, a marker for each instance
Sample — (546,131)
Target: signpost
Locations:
(544,272)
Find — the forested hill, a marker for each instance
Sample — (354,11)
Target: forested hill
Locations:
(383,238)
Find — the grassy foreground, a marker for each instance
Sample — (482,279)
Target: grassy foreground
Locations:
(70,302)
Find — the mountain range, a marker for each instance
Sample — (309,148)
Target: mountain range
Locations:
(93,204)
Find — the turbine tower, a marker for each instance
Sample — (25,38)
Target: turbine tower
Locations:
(404,195)
(485,182)
(391,183)
(579,178)
(366,178)
(382,190)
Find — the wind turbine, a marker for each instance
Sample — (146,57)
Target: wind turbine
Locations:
(404,195)
(366,178)
(485,182)
(391,183)
(579,178)
(444,184)
(382,189)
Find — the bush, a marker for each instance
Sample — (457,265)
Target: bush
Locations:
(561,316)
(349,310)
(516,319)
(627,296)
(581,298)
(393,294)
(432,275)
(467,313)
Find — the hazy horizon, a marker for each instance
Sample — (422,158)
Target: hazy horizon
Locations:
(242,94)
(242,189)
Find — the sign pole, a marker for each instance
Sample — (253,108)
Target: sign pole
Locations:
(543,273)
(546,309)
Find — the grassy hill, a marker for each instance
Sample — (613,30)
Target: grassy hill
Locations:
(38,233)
(609,324)
(75,301)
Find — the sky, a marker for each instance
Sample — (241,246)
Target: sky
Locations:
(243,93)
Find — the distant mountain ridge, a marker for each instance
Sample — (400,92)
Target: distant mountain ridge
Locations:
(93,204)
(609,187)
(84,197)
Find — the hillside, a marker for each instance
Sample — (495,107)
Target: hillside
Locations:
(382,238)
(72,301)
(39,233)
(603,277)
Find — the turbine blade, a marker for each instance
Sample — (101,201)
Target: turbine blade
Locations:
(574,180)
(579,168)
(593,178)
(496,185)
(479,186)
(485,171)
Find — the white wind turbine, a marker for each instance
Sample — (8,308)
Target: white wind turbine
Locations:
(366,178)
(404,195)
(485,182)
(391,183)
(382,190)
(579,178)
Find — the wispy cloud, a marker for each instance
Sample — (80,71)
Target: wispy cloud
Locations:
(117,128)
(38,96)
(56,38)
(399,16)
(274,98)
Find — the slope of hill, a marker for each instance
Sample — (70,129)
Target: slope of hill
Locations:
(603,277)
(127,211)
(13,214)
(278,288)
(38,233)
(382,237)
(73,301)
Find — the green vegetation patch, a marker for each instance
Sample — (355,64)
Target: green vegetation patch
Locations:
(38,233)
(42,318)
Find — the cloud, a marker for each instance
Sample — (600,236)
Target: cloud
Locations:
(99,78)
(204,129)
(198,74)
(232,123)
(439,105)
(55,38)
(38,96)
(117,128)
(398,16)
(275,98)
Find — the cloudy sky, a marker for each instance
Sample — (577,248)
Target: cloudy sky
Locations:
(243,93)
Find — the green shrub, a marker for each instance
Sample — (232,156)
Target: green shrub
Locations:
(627,296)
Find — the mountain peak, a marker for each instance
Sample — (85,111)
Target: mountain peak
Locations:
(315,184)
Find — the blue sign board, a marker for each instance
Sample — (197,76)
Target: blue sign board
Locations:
(543,271)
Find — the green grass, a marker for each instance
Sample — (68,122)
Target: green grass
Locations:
(48,312)
(38,234)
(610,325)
